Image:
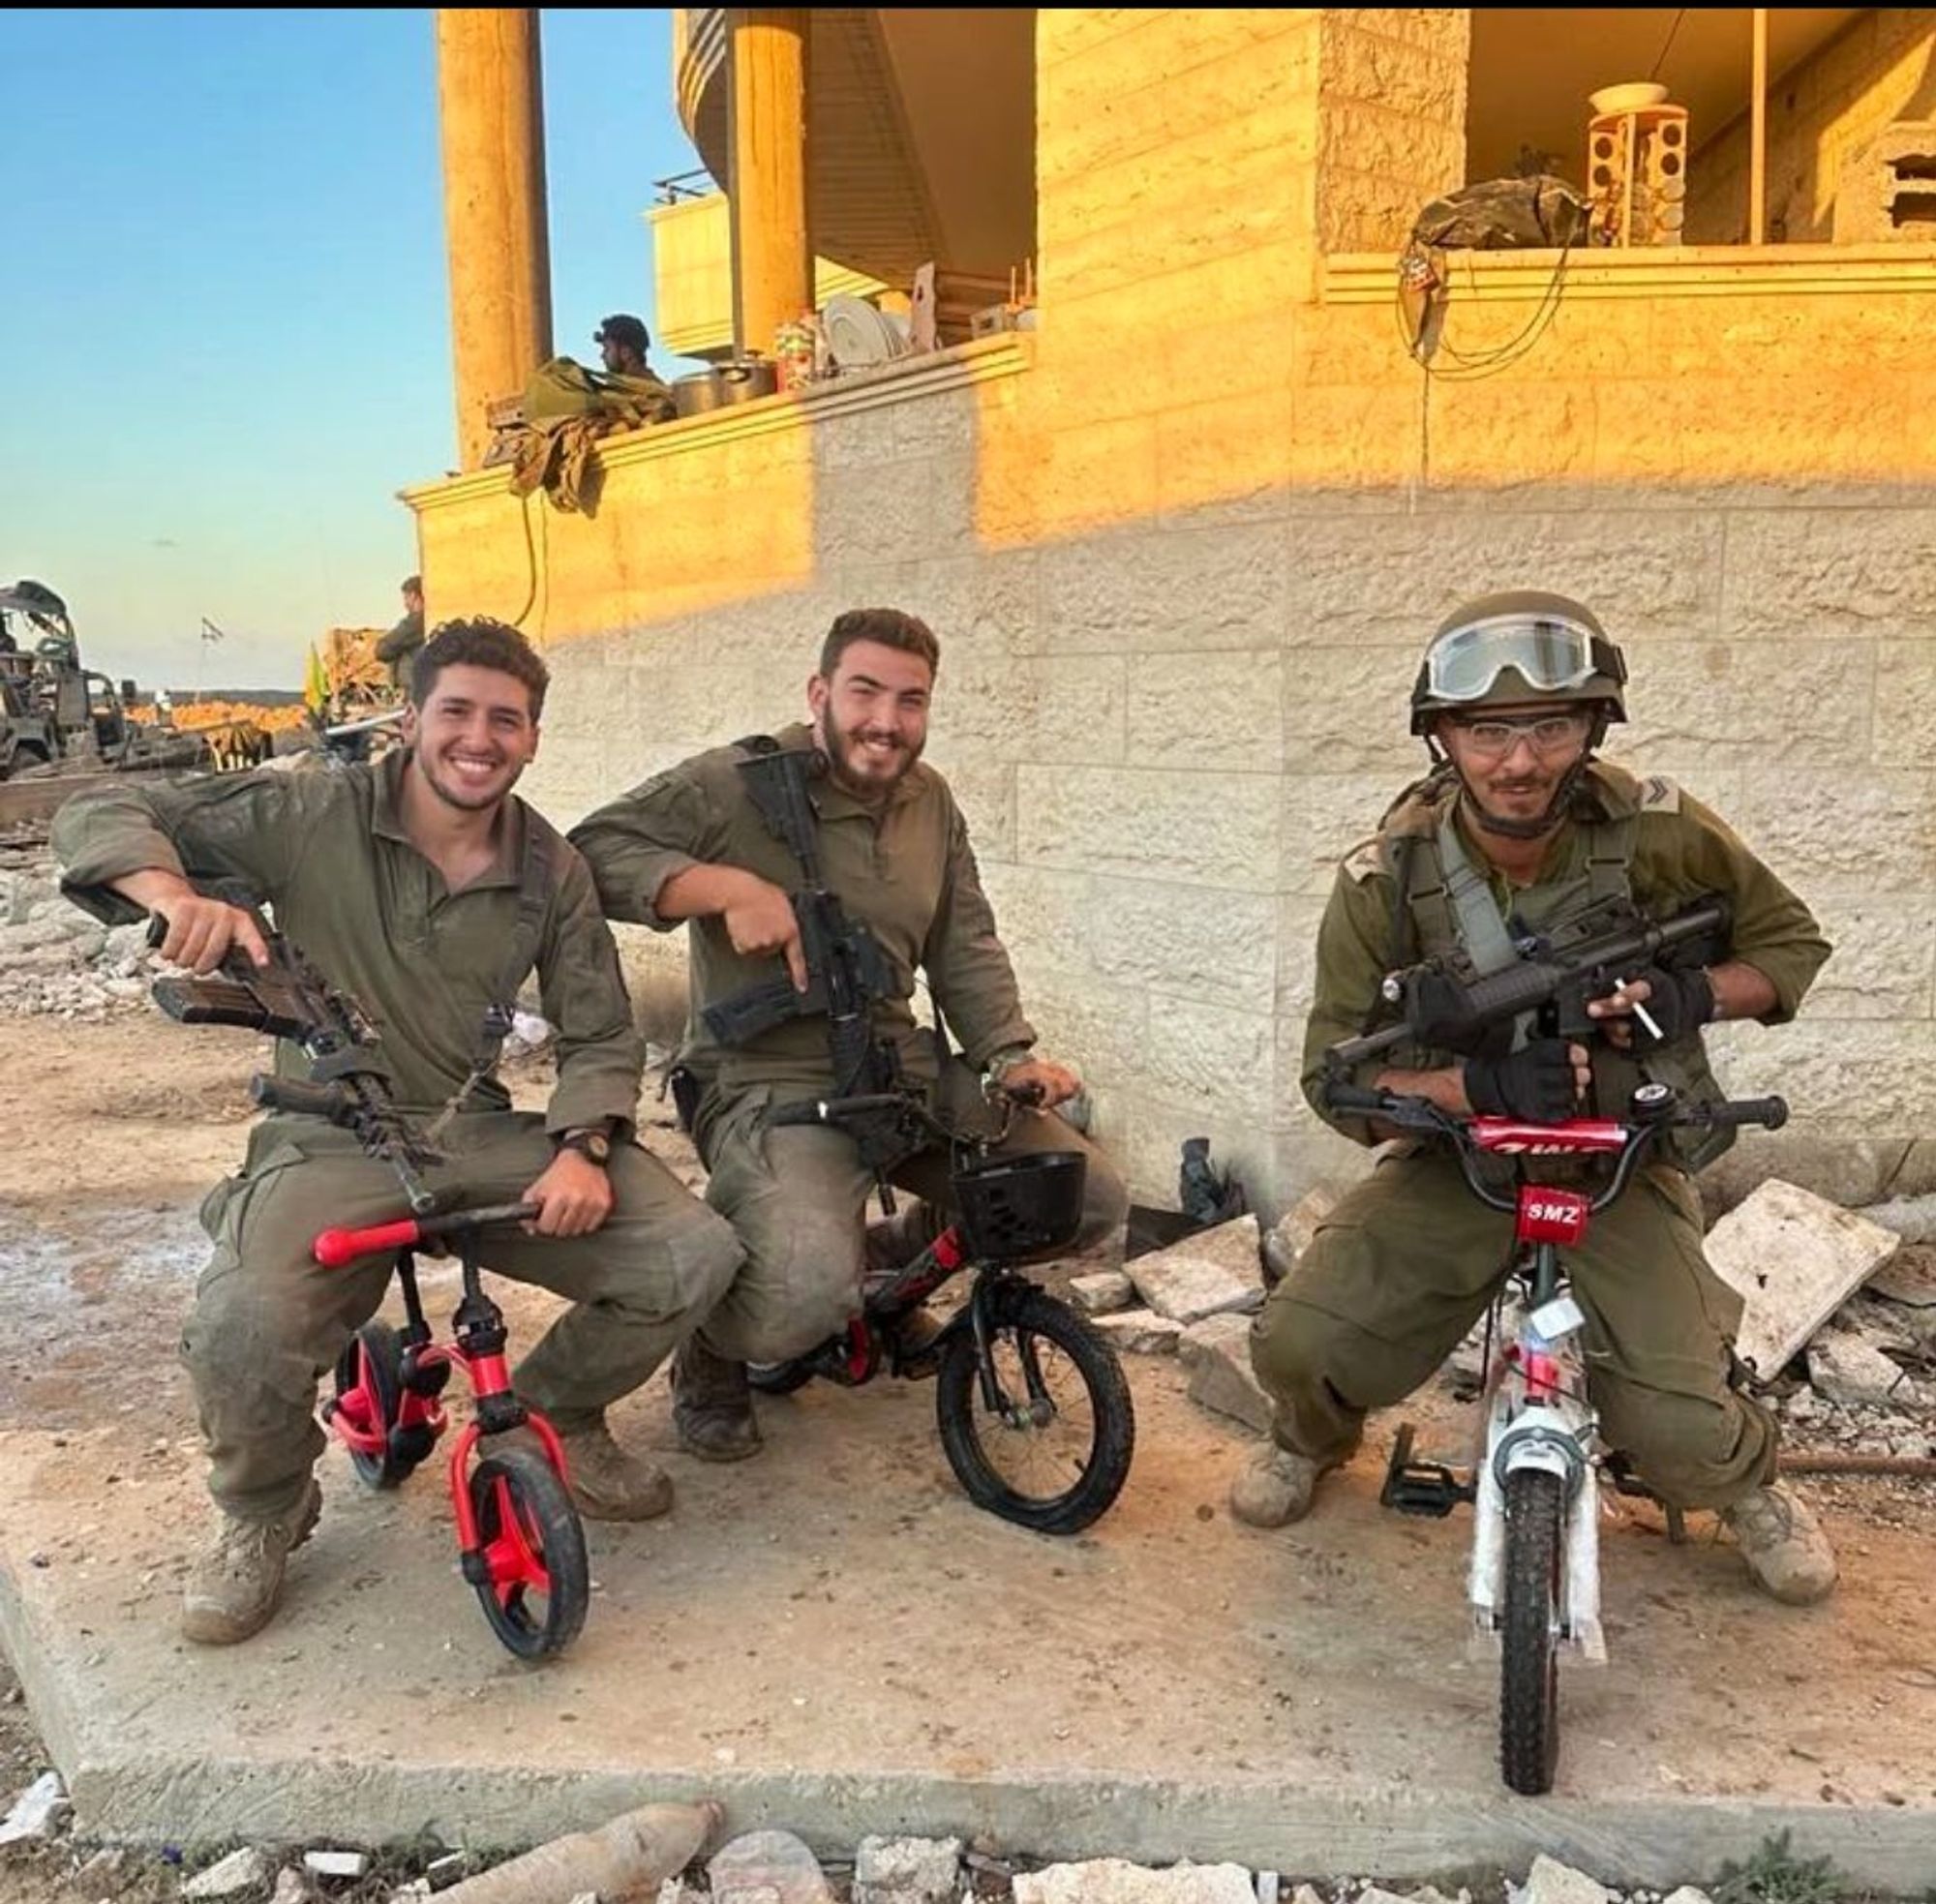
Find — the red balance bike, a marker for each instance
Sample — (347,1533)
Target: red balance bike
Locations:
(520,1537)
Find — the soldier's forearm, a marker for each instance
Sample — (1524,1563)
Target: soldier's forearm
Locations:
(1444,1088)
(152,888)
(1741,990)
(704,891)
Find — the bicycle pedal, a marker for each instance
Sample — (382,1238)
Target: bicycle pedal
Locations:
(1420,1487)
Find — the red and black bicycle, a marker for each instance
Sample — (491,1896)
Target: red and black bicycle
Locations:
(520,1537)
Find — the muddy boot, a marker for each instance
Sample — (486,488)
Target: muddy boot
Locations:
(1275,1487)
(606,1483)
(1783,1544)
(235,1583)
(712,1405)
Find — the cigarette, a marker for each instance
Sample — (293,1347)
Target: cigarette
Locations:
(1641,1013)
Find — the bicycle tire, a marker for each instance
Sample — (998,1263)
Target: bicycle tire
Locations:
(1535,1506)
(374,1354)
(1026,1318)
(778,1377)
(530,1532)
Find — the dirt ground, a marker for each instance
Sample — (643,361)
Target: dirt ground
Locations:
(111,1133)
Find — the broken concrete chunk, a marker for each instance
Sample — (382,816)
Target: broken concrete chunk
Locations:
(1844,1367)
(1908,1277)
(906,1870)
(1099,1295)
(342,1865)
(1290,1236)
(241,1870)
(1213,1271)
(1687,1894)
(1550,1882)
(1217,1353)
(1114,1880)
(36,1811)
(1140,1331)
(1793,1258)
(768,1867)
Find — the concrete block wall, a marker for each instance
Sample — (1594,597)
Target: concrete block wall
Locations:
(1183,565)
(1827,109)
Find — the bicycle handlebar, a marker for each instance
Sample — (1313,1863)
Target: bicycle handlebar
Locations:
(335,1248)
(833,1112)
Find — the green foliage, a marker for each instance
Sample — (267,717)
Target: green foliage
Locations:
(1775,1875)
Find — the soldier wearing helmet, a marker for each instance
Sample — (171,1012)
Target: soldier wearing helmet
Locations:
(1517,829)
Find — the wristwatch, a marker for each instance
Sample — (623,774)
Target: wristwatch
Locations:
(593,1144)
(1001,1063)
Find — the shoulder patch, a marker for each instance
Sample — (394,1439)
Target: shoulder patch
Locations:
(1659,795)
(1365,859)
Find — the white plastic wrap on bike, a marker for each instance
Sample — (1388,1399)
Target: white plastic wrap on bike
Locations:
(1579,1581)
(1557,1319)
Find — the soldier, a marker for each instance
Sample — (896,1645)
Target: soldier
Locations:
(401,646)
(1518,821)
(422,886)
(690,844)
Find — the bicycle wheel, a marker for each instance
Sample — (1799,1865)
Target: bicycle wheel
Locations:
(1535,1505)
(369,1393)
(1064,1469)
(539,1580)
(778,1377)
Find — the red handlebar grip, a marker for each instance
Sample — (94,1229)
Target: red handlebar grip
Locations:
(336,1247)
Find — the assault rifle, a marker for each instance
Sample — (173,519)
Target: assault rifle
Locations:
(846,969)
(289,998)
(1557,974)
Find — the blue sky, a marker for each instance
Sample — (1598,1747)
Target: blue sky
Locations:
(227,328)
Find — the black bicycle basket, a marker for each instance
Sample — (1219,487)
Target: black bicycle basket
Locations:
(1014,1206)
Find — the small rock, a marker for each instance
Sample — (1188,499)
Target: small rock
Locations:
(1550,1882)
(906,1870)
(768,1867)
(1099,1295)
(1851,1370)
(1217,1353)
(336,1864)
(1687,1894)
(246,1869)
(447,1869)
(36,1811)
(1114,1880)
(413,1893)
(1139,1332)
(290,1888)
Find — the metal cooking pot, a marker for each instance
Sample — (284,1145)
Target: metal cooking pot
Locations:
(739,381)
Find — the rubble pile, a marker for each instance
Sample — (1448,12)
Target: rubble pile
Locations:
(772,1866)
(55,960)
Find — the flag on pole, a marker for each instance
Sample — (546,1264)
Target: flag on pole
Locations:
(316,684)
(209,631)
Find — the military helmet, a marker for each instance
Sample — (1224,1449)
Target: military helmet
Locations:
(1513,649)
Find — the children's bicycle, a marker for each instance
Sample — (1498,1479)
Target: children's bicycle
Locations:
(521,1540)
(1034,1410)
(1534,1576)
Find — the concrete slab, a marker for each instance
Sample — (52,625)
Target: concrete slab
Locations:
(832,1640)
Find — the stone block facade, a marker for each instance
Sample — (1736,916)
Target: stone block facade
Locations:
(1184,546)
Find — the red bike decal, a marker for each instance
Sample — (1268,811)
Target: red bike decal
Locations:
(1510,1137)
(1547,1214)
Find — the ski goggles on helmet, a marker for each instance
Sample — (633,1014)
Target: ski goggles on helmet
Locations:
(1551,655)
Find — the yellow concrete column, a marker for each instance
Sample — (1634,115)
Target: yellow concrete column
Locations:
(491,107)
(772,257)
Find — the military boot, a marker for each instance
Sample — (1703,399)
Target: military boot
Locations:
(1275,1487)
(712,1405)
(233,1587)
(1783,1544)
(888,1246)
(605,1481)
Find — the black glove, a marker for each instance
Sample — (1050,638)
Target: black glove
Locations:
(1438,1009)
(1681,1003)
(1536,1083)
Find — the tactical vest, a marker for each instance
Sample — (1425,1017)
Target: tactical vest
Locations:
(1442,901)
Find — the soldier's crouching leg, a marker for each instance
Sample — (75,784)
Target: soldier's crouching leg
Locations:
(269,1321)
(1393,1279)
(794,1196)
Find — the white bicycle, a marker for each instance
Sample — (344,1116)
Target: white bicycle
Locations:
(1534,1578)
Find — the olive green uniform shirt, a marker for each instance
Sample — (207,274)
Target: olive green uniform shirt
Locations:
(903,867)
(1682,850)
(326,848)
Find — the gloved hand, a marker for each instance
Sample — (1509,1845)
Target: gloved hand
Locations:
(1536,1083)
(1438,1009)
(1679,1002)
